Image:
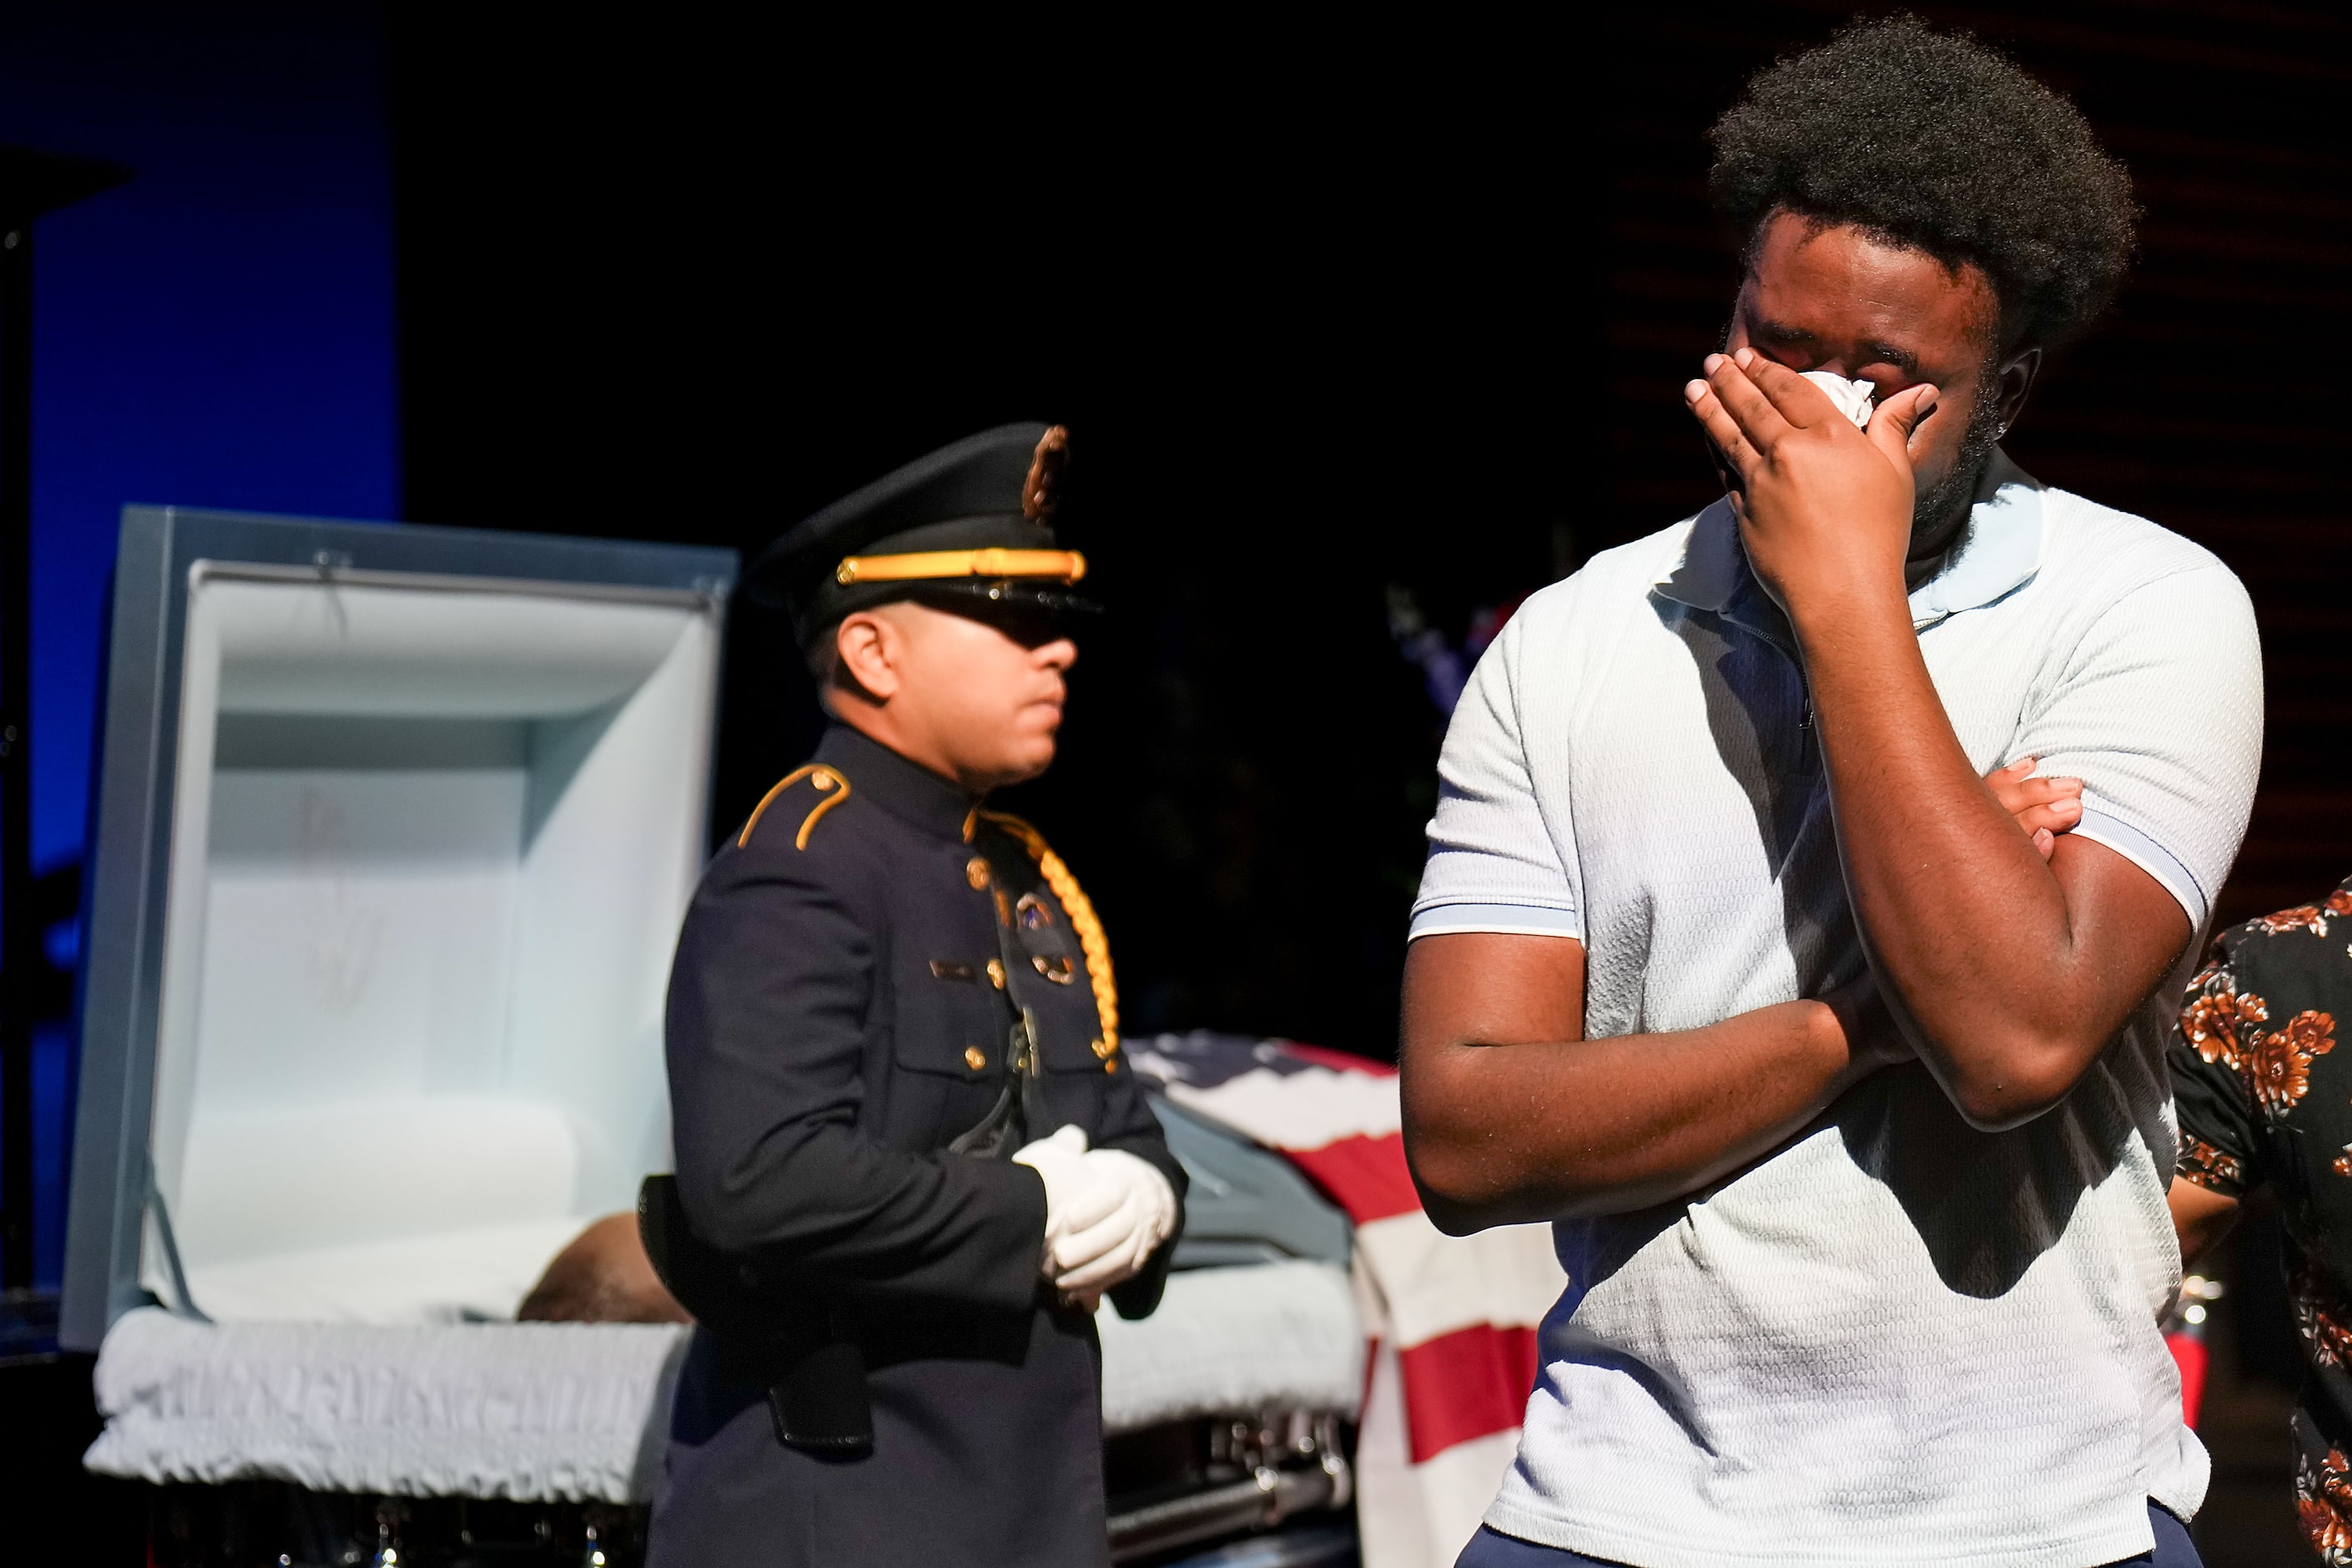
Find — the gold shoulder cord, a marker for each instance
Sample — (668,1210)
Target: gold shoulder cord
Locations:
(1083,919)
(823,778)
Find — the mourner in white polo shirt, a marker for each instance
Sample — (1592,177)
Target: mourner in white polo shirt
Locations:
(1848,1105)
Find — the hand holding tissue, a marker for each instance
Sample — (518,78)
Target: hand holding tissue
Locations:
(1854,398)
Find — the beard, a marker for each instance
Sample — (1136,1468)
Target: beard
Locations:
(1950,495)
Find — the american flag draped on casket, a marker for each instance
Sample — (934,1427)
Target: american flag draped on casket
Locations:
(1452,1319)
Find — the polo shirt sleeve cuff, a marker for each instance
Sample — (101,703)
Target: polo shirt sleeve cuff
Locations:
(1504,919)
(2150,857)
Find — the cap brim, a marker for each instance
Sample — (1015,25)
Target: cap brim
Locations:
(1024,611)
(964,595)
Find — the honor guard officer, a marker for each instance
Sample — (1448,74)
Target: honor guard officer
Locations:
(910,1157)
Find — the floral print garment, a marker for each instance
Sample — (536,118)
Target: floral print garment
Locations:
(2265,1098)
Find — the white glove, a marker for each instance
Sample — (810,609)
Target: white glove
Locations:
(1076,1193)
(1090,1257)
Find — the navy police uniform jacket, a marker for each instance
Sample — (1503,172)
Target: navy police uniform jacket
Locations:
(879,992)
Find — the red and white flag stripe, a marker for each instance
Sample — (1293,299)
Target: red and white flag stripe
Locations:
(1453,1319)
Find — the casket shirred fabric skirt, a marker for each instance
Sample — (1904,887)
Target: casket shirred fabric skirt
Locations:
(540,1412)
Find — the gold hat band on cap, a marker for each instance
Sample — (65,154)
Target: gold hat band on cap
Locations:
(1066,565)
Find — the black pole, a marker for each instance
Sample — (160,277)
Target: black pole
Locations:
(20,938)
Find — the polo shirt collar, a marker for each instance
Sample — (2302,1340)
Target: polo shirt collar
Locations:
(2000,554)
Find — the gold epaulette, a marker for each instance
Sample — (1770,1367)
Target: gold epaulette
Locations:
(827,781)
(1083,919)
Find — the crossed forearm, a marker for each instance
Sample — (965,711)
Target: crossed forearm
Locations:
(2007,975)
(1970,932)
(1498,1134)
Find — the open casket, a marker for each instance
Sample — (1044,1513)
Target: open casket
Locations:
(395,829)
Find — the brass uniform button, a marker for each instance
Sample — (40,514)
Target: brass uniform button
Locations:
(1111,1066)
(996,972)
(974,1058)
(975,871)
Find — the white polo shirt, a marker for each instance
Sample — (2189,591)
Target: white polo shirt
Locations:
(1896,1341)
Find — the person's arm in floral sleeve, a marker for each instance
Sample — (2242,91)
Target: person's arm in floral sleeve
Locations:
(2212,1063)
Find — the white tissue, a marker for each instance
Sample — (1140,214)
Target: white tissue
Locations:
(1853,397)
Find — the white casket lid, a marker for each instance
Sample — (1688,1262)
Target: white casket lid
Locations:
(387,867)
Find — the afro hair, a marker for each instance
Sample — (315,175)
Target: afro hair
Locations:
(1935,143)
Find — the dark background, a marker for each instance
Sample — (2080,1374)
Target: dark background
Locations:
(1317,342)
(1328,316)
(1310,345)
(1295,374)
